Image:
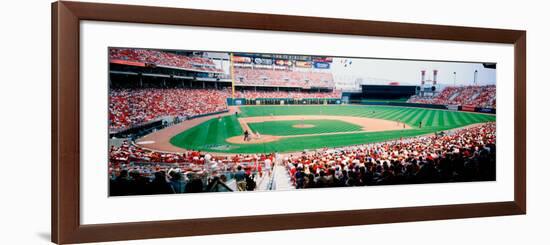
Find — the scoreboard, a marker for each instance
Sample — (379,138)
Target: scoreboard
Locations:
(387,91)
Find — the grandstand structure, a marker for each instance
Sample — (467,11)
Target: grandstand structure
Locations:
(163,86)
(468,96)
(198,121)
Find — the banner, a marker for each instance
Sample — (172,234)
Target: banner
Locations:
(468,108)
(240,59)
(486,110)
(263,61)
(452,107)
(284,62)
(321,65)
(303,64)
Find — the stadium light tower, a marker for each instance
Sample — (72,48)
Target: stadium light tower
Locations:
(454,78)
(422,82)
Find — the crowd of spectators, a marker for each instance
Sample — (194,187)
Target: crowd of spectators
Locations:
(128,107)
(334,94)
(137,171)
(162,58)
(287,78)
(466,154)
(478,96)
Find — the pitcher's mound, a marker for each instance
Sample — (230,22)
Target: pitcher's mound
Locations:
(303,126)
(253,140)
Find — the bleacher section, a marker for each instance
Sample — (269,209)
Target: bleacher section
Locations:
(282,78)
(161,58)
(131,107)
(478,96)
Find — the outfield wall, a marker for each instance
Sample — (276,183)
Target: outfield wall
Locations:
(337,101)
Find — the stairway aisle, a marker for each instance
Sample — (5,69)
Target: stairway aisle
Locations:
(281,179)
(262,183)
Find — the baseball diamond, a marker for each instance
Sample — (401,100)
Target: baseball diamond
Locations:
(212,134)
(299,127)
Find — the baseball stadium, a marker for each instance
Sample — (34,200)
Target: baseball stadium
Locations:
(196,121)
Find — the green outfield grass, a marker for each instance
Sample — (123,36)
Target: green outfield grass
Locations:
(283,128)
(210,135)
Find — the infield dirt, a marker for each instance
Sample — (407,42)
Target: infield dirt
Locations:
(366,124)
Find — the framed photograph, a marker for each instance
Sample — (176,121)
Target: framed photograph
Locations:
(177,122)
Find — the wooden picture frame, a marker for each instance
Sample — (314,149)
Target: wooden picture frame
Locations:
(66,226)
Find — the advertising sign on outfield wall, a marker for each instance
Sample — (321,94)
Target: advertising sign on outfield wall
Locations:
(486,110)
(468,108)
(452,107)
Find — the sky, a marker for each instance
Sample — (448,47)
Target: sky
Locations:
(408,72)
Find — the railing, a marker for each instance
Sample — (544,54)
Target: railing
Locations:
(271,185)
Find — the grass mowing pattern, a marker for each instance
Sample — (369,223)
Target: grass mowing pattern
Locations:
(284,128)
(210,135)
